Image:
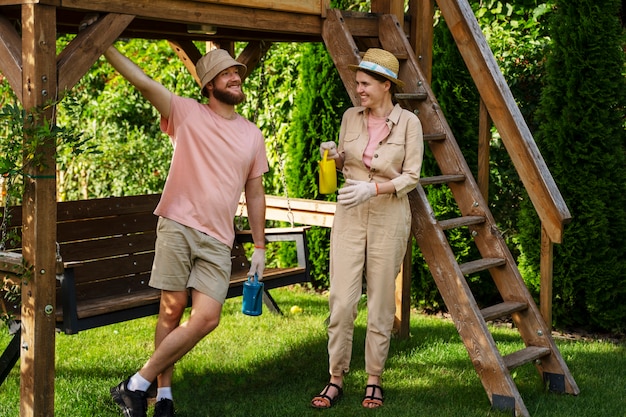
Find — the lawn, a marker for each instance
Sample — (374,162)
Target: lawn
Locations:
(272,365)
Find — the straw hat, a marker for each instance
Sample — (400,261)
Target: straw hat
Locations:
(214,62)
(381,62)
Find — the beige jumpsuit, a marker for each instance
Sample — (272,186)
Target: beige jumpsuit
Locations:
(371,238)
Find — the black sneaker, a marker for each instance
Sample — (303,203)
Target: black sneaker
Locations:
(132,403)
(164,408)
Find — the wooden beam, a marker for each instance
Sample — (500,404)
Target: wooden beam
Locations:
(81,53)
(189,54)
(252,55)
(11,56)
(484,141)
(219,14)
(39,214)
(546,273)
(507,117)
(422,14)
(394,7)
(297,6)
(339,41)
(298,210)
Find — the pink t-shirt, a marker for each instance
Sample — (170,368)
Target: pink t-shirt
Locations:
(213,158)
(378,130)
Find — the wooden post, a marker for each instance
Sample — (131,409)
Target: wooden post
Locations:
(395,7)
(422,14)
(39,86)
(546,272)
(484,138)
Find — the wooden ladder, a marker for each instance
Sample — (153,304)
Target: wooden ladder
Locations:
(471,321)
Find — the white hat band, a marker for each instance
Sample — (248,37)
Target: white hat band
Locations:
(371,66)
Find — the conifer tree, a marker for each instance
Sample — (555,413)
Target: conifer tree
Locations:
(582,138)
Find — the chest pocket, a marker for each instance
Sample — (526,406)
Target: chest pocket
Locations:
(392,151)
(352,146)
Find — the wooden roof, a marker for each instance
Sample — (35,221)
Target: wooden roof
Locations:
(238,20)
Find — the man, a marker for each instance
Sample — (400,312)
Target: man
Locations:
(217,154)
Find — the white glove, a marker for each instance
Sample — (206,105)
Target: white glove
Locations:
(257,263)
(356,192)
(331,148)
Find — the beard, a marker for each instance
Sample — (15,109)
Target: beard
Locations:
(228,97)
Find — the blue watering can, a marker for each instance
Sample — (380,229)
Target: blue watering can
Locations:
(252,297)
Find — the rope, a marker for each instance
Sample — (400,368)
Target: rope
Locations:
(281,160)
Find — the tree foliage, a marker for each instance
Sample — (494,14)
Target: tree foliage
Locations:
(583,140)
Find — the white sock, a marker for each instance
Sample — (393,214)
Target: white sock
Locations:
(138,383)
(164,393)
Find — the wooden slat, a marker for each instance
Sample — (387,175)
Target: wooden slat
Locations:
(461,221)
(442,179)
(102,207)
(501,310)
(524,356)
(429,137)
(98,306)
(104,227)
(80,251)
(481,265)
(119,287)
(113,267)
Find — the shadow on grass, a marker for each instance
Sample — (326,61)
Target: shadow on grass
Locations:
(273,365)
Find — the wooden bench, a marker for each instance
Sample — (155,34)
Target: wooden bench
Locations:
(106,249)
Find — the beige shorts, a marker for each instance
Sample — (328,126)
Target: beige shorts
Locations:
(187,258)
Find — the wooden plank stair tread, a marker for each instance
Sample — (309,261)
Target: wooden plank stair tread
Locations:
(524,356)
(420,96)
(433,137)
(461,221)
(442,179)
(481,265)
(501,310)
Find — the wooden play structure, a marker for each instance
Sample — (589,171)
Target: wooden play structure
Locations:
(28,60)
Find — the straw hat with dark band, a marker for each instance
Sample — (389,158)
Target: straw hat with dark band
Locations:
(214,62)
(381,62)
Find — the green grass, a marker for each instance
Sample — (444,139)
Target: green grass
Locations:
(272,365)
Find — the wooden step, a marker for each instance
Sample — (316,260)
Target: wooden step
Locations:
(501,310)
(481,265)
(442,179)
(524,356)
(461,221)
(419,96)
(434,136)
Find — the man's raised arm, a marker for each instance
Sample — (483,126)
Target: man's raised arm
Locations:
(155,93)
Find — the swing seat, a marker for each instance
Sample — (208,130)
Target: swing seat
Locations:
(106,249)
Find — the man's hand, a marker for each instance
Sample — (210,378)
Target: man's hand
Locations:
(356,192)
(257,263)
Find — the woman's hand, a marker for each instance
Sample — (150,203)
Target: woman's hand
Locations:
(356,192)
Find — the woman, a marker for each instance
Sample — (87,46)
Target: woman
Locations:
(380,154)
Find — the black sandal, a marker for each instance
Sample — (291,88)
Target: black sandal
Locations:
(372,399)
(325,398)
